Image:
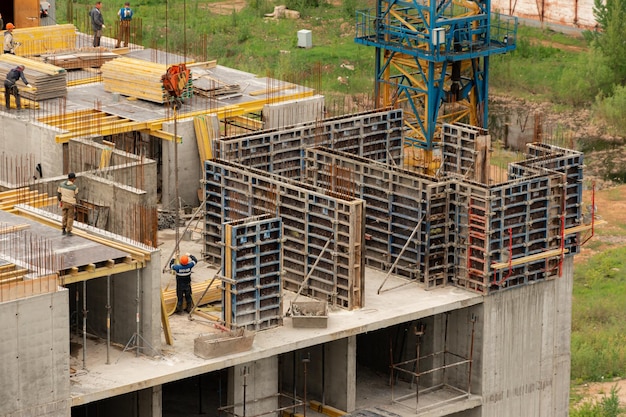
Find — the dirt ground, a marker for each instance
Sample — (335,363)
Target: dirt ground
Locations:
(226,7)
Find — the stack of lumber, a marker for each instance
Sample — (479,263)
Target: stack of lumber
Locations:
(136,78)
(48,81)
(41,39)
(212,295)
(88,57)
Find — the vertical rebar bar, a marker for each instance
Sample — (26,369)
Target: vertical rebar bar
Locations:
(84,324)
(108,308)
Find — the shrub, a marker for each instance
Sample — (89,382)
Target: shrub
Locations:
(613,108)
(606,407)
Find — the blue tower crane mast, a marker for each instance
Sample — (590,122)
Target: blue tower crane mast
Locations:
(432,60)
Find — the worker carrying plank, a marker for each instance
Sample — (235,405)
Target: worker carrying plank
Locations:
(183,280)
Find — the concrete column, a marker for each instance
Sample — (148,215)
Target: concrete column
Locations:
(150,402)
(340,374)
(34,356)
(526,355)
(259,381)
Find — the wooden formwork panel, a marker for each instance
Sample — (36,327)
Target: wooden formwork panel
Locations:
(251,264)
(322,233)
(374,135)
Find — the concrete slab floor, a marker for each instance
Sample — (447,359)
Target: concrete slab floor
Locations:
(127,371)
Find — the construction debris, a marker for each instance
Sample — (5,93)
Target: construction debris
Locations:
(206,85)
(211,345)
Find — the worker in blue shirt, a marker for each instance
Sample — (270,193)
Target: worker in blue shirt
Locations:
(183,281)
(126,16)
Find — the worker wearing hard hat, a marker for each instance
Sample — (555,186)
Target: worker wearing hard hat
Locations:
(10,86)
(9,43)
(183,280)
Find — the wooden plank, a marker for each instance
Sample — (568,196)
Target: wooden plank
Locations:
(165,321)
(326,409)
(529,258)
(214,294)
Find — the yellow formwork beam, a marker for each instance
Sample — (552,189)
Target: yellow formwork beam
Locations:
(111,128)
(154,127)
(92,273)
(55,119)
(326,409)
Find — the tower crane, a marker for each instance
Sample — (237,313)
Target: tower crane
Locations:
(432,60)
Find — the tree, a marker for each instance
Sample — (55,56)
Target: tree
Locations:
(610,39)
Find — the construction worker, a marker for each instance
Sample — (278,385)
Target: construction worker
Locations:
(183,280)
(66,194)
(126,16)
(97,23)
(10,86)
(9,43)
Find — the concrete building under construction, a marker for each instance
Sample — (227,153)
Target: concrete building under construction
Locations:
(343,280)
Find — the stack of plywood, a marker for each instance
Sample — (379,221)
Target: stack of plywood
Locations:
(41,39)
(48,80)
(88,57)
(136,78)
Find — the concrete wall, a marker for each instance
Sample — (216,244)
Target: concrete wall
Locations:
(123,201)
(34,356)
(124,306)
(85,154)
(293,112)
(330,373)
(526,349)
(189,167)
(577,13)
(260,379)
(20,137)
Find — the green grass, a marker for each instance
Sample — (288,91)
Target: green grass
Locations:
(599,317)
(608,406)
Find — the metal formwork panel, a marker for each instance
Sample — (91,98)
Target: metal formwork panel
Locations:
(374,135)
(323,233)
(523,224)
(471,206)
(459,149)
(401,206)
(251,264)
(438,253)
(569,163)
